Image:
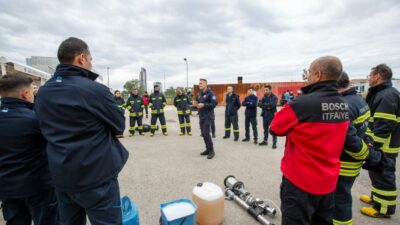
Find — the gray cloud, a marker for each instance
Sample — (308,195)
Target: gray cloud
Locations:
(261,40)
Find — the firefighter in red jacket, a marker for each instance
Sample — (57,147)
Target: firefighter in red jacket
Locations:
(315,126)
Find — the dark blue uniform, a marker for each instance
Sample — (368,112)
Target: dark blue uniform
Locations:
(182,104)
(25,184)
(268,106)
(231,115)
(207,117)
(251,102)
(135,106)
(80,119)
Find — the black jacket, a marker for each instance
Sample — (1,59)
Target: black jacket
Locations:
(232,104)
(250,102)
(24,170)
(80,119)
(268,106)
(157,102)
(182,104)
(355,150)
(135,105)
(120,102)
(384,123)
(210,102)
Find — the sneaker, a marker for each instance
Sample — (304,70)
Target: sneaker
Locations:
(263,143)
(274,146)
(246,140)
(204,153)
(366,199)
(210,155)
(225,137)
(371,212)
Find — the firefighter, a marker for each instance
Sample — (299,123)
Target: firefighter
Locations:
(79,119)
(135,106)
(182,102)
(384,133)
(311,162)
(268,106)
(26,191)
(120,101)
(232,101)
(353,155)
(251,102)
(206,104)
(157,103)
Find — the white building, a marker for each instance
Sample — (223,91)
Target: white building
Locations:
(10,67)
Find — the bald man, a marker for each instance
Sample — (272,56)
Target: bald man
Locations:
(315,126)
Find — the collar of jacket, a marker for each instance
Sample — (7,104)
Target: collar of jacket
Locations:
(373,90)
(135,96)
(205,92)
(16,103)
(327,85)
(350,91)
(71,70)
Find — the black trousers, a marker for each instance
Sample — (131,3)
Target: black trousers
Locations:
(234,120)
(253,122)
(133,121)
(205,126)
(184,122)
(384,192)
(213,127)
(101,205)
(153,122)
(302,208)
(343,201)
(41,209)
(266,123)
(146,109)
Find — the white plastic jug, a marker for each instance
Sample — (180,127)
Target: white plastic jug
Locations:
(209,199)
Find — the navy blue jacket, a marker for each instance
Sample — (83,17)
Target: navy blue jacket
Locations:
(250,102)
(232,105)
(210,102)
(24,170)
(268,106)
(80,119)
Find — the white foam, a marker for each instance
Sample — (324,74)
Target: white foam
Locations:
(178,210)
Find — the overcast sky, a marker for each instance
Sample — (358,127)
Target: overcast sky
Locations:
(260,40)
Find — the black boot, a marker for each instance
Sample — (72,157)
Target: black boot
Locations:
(204,153)
(213,135)
(225,137)
(246,140)
(274,146)
(211,154)
(255,141)
(263,143)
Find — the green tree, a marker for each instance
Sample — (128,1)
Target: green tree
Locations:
(304,75)
(170,92)
(134,83)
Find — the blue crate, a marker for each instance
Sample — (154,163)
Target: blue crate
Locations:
(187,220)
(130,214)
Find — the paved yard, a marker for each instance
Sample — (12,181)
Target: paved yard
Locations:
(162,169)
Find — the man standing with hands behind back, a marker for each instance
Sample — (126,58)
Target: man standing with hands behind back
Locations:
(206,104)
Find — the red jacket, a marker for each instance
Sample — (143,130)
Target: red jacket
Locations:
(145,99)
(315,126)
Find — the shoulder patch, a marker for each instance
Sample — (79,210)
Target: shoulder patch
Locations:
(213,97)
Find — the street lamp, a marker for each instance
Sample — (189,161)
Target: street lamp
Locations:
(187,74)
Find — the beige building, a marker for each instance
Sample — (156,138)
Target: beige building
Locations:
(46,64)
(9,67)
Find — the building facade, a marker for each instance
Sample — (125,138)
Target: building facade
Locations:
(143,79)
(46,64)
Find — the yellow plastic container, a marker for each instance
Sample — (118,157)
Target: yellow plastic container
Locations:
(209,199)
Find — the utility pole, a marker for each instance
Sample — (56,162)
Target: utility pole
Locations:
(108,77)
(187,73)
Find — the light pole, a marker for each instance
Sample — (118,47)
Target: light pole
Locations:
(187,74)
(108,77)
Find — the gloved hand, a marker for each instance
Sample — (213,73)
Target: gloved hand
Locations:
(377,161)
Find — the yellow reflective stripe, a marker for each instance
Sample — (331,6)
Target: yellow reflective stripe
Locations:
(384,202)
(362,154)
(350,165)
(187,124)
(132,114)
(227,128)
(178,100)
(236,131)
(182,125)
(132,128)
(383,192)
(337,222)
(188,111)
(163,126)
(161,110)
(140,127)
(180,112)
(379,139)
(153,126)
(371,120)
(386,116)
(349,174)
(362,118)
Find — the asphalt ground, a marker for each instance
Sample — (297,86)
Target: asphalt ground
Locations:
(162,169)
